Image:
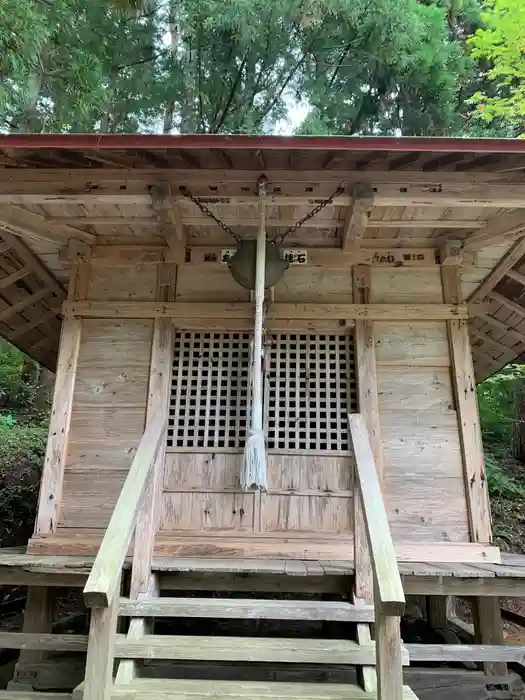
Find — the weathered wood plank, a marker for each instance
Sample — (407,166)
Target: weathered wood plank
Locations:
(205,689)
(357,216)
(464,383)
(465,652)
(34,641)
(389,656)
(498,273)
(56,450)
(250,609)
(262,649)
(98,682)
(279,311)
(388,587)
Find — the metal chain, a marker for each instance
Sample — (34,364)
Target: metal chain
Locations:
(205,210)
(278,240)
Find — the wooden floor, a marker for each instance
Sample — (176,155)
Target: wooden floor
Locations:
(16,566)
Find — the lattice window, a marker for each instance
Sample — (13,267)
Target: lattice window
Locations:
(208,403)
(310,389)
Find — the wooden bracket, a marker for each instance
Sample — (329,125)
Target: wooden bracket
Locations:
(357,216)
(75,252)
(170,220)
(451,252)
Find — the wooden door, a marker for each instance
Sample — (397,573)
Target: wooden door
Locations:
(309,387)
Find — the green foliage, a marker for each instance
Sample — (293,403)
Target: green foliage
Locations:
(230,66)
(497,405)
(500,43)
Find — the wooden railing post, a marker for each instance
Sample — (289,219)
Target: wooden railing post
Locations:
(98,684)
(389,597)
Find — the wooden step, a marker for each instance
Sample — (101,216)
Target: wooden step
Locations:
(181,689)
(253,649)
(236,608)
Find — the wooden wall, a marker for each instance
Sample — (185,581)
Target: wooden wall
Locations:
(309,507)
(109,403)
(423,468)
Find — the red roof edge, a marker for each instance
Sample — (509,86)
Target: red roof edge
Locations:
(241,141)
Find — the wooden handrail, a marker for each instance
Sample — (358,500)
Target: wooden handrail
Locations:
(102,583)
(387,580)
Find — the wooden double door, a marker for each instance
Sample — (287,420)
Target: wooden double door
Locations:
(309,386)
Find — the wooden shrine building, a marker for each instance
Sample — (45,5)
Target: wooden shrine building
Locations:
(405,286)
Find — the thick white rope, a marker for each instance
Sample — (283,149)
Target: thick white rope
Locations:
(253,473)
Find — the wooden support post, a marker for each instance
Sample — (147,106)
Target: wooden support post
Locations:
(464,386)
(368,406)
(56,451)
(38,618)
(98,682)
(488,629)
(143,584)
(54,463)
(388,656)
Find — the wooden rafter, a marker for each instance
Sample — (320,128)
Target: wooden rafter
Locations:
(511,305)
(497,229)
(499,272)
(21,222)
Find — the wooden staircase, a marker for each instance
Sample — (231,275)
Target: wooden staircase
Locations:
(379,662)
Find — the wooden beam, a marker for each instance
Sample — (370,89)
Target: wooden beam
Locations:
(29,300)
(29,258)
(464,384)
(497,229)
(43,642)
(104,577)
(334,257)
(56,450)
(8,280)
(21,222)
(501,347)
(389,195)
(465,652)
(503,327)
(280,311)
(248,222)
(357,216)
(510,305)
(388,594)
(516,276)
(513,256)
(80,177)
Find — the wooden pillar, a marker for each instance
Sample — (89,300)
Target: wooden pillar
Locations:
(56,450)
(38,618)
(488,629)
(143,583)
(464,387)
(369,408)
